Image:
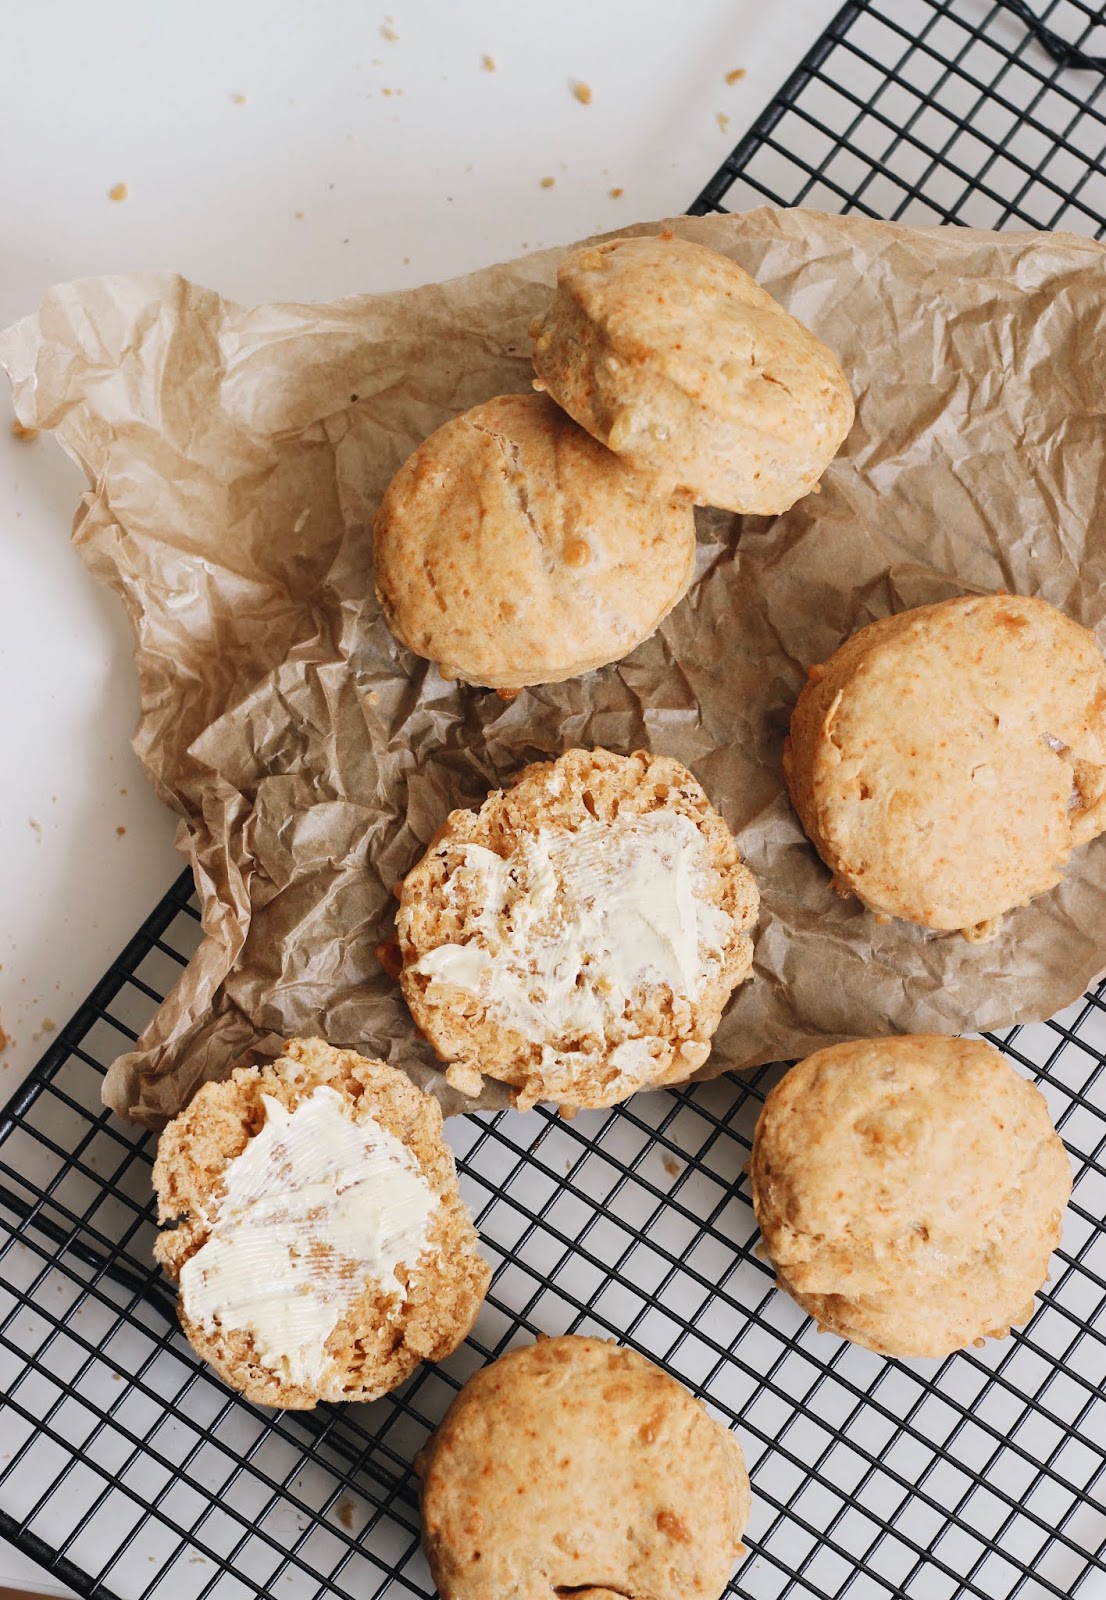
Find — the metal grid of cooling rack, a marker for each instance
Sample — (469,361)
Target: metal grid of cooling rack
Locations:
(129,1470)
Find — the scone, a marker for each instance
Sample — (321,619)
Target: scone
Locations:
(571,1465)
(512,549)
(945,762)
(579,935)
(315,1228)
(677,360)
(909,1191)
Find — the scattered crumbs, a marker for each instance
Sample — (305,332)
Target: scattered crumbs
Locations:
(238,99)
(298,215)
(761,1253)
(54,796)
(387,91)
(5,1041)
(120,830)
(723,120)
(345,241)
(736,75)
(117,1377)
(25,435)
(547,183)
(118,191)
(48,1025)
(36,826)
(345,1514)
(388,30)
(582,91)
(407,261)
(197,1561)
(488,63)
(373,696)
(671,1165)
(616,194)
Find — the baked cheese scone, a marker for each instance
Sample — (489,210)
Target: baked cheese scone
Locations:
(315,1229)
(571,1466)
(909,1191)
(671,355)
(945,762)
(579,935)
(512,549)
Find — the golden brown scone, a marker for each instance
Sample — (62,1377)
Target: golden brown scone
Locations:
(684,366)
(909,1191)
(512,549)
(945,762)
(573,1465)
(579,935)
(318,1237)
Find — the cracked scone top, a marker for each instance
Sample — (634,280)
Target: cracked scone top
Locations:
(512,549)
(317,1235)
(671,355)
(945,762)
(909,1191)
(574,1466)
(579,935)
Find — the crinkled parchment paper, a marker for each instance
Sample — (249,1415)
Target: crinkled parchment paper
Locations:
(235,458)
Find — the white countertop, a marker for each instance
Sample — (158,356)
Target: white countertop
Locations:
(279,150)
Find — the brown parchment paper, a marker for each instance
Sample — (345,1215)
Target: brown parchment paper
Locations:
(235,458)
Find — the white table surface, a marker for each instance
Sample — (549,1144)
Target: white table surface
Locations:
(263,154)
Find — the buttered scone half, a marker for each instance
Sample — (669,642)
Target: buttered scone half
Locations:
(909,1191)
(313,1224)
(512,549)
(945,762)
(677,360)
(580,934)
(571,1466)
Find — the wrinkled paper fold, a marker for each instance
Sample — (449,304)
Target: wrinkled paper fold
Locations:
(235,458)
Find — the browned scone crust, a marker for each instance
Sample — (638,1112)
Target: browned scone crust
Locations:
(684,366)
(512,549)
(382,1339)
(909,1191)
(581,788)
(945,762)
(573,1465)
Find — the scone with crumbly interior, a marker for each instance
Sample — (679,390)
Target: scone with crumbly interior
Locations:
(678,361)
(579,935)
(512,549)
(313,1224)
(571,1466)
(945,762)
(909,1191)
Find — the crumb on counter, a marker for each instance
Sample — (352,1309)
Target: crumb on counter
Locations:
(238,99)
(5,1041)
(547,183)
(345,1514)
(582,91)
(118,191)
(671,1165)
(120,830)
(48,1025)
(488,63)
(723,120)
(736,75)
(388,30)
(616,193)
(35,826)
(25,435)
(299,215)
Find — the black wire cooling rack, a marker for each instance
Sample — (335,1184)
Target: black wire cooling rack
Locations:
(129,1471)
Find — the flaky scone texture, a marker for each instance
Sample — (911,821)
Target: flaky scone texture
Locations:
(909,1191)
(572,1465)
(683,365)
(579,935)
(513,549)
(945,762)
(382,1338)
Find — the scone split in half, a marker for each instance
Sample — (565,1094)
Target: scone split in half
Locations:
(315,1228)
(909,1191)
(573,1466)
(579,935)
(678,361)
(513,549)
(945,762)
